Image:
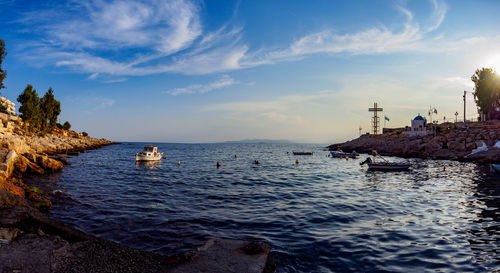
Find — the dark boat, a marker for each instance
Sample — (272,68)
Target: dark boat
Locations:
(386,166)
(340,154)
(302,153)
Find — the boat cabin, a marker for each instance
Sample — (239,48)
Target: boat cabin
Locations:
(150,150)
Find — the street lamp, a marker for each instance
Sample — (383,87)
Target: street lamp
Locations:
(465,92)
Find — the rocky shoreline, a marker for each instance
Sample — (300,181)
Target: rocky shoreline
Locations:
(32,242)
(23,153)
(475,142)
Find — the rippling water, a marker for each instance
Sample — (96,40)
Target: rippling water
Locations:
(321,215)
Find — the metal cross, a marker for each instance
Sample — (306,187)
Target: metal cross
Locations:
(375,119)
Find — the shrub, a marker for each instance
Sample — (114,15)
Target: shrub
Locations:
(67,125)
(3,108)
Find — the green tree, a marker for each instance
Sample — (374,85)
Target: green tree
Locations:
(486,89)
(66,125)
(3,53)
(50,109)
(30,107)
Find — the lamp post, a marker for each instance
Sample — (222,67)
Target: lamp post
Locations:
(456,115)
(465,92)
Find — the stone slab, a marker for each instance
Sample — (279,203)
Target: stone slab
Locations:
(224,255)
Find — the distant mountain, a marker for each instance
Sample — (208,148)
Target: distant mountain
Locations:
(259,141)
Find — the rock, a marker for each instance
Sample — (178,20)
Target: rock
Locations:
(49,164)
(492,155)
(9,186)
(9,234)
(457,146)
(12,216)
(38,200)
(223,255)
(10,200)
(470,146)
(23,165)
(8,164)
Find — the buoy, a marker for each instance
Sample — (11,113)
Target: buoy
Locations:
(178,163)
(218,164)
(346,158)
(297,161)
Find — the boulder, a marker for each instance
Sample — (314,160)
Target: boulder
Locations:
(23,165)
(48,163)
(7,166)
(456,146)
(9,234)
(8,199)
(492,155)
(39,201)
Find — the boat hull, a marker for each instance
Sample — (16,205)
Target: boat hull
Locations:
(342,154)
(147,158)
(302,153)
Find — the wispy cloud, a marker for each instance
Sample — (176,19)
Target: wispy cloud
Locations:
(103,38)
(438,14)
(374,40)
(165,26)
(224,81)
(93,103)
(280,110)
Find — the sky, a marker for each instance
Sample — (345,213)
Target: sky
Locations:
(209,71)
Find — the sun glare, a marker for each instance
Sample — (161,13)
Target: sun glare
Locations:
(492,61)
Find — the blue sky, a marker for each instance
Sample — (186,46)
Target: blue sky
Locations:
(206,71)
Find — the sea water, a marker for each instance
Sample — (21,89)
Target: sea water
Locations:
(320,215)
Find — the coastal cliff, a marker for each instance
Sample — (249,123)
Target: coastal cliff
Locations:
(454,141)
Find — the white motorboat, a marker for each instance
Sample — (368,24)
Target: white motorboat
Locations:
(150,153)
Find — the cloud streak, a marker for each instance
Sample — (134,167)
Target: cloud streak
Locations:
(377,40)
(223,82)
(105,37)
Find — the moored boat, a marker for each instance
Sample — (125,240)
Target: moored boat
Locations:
(302,153)
(386,166)
(150,153)
(340,154)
